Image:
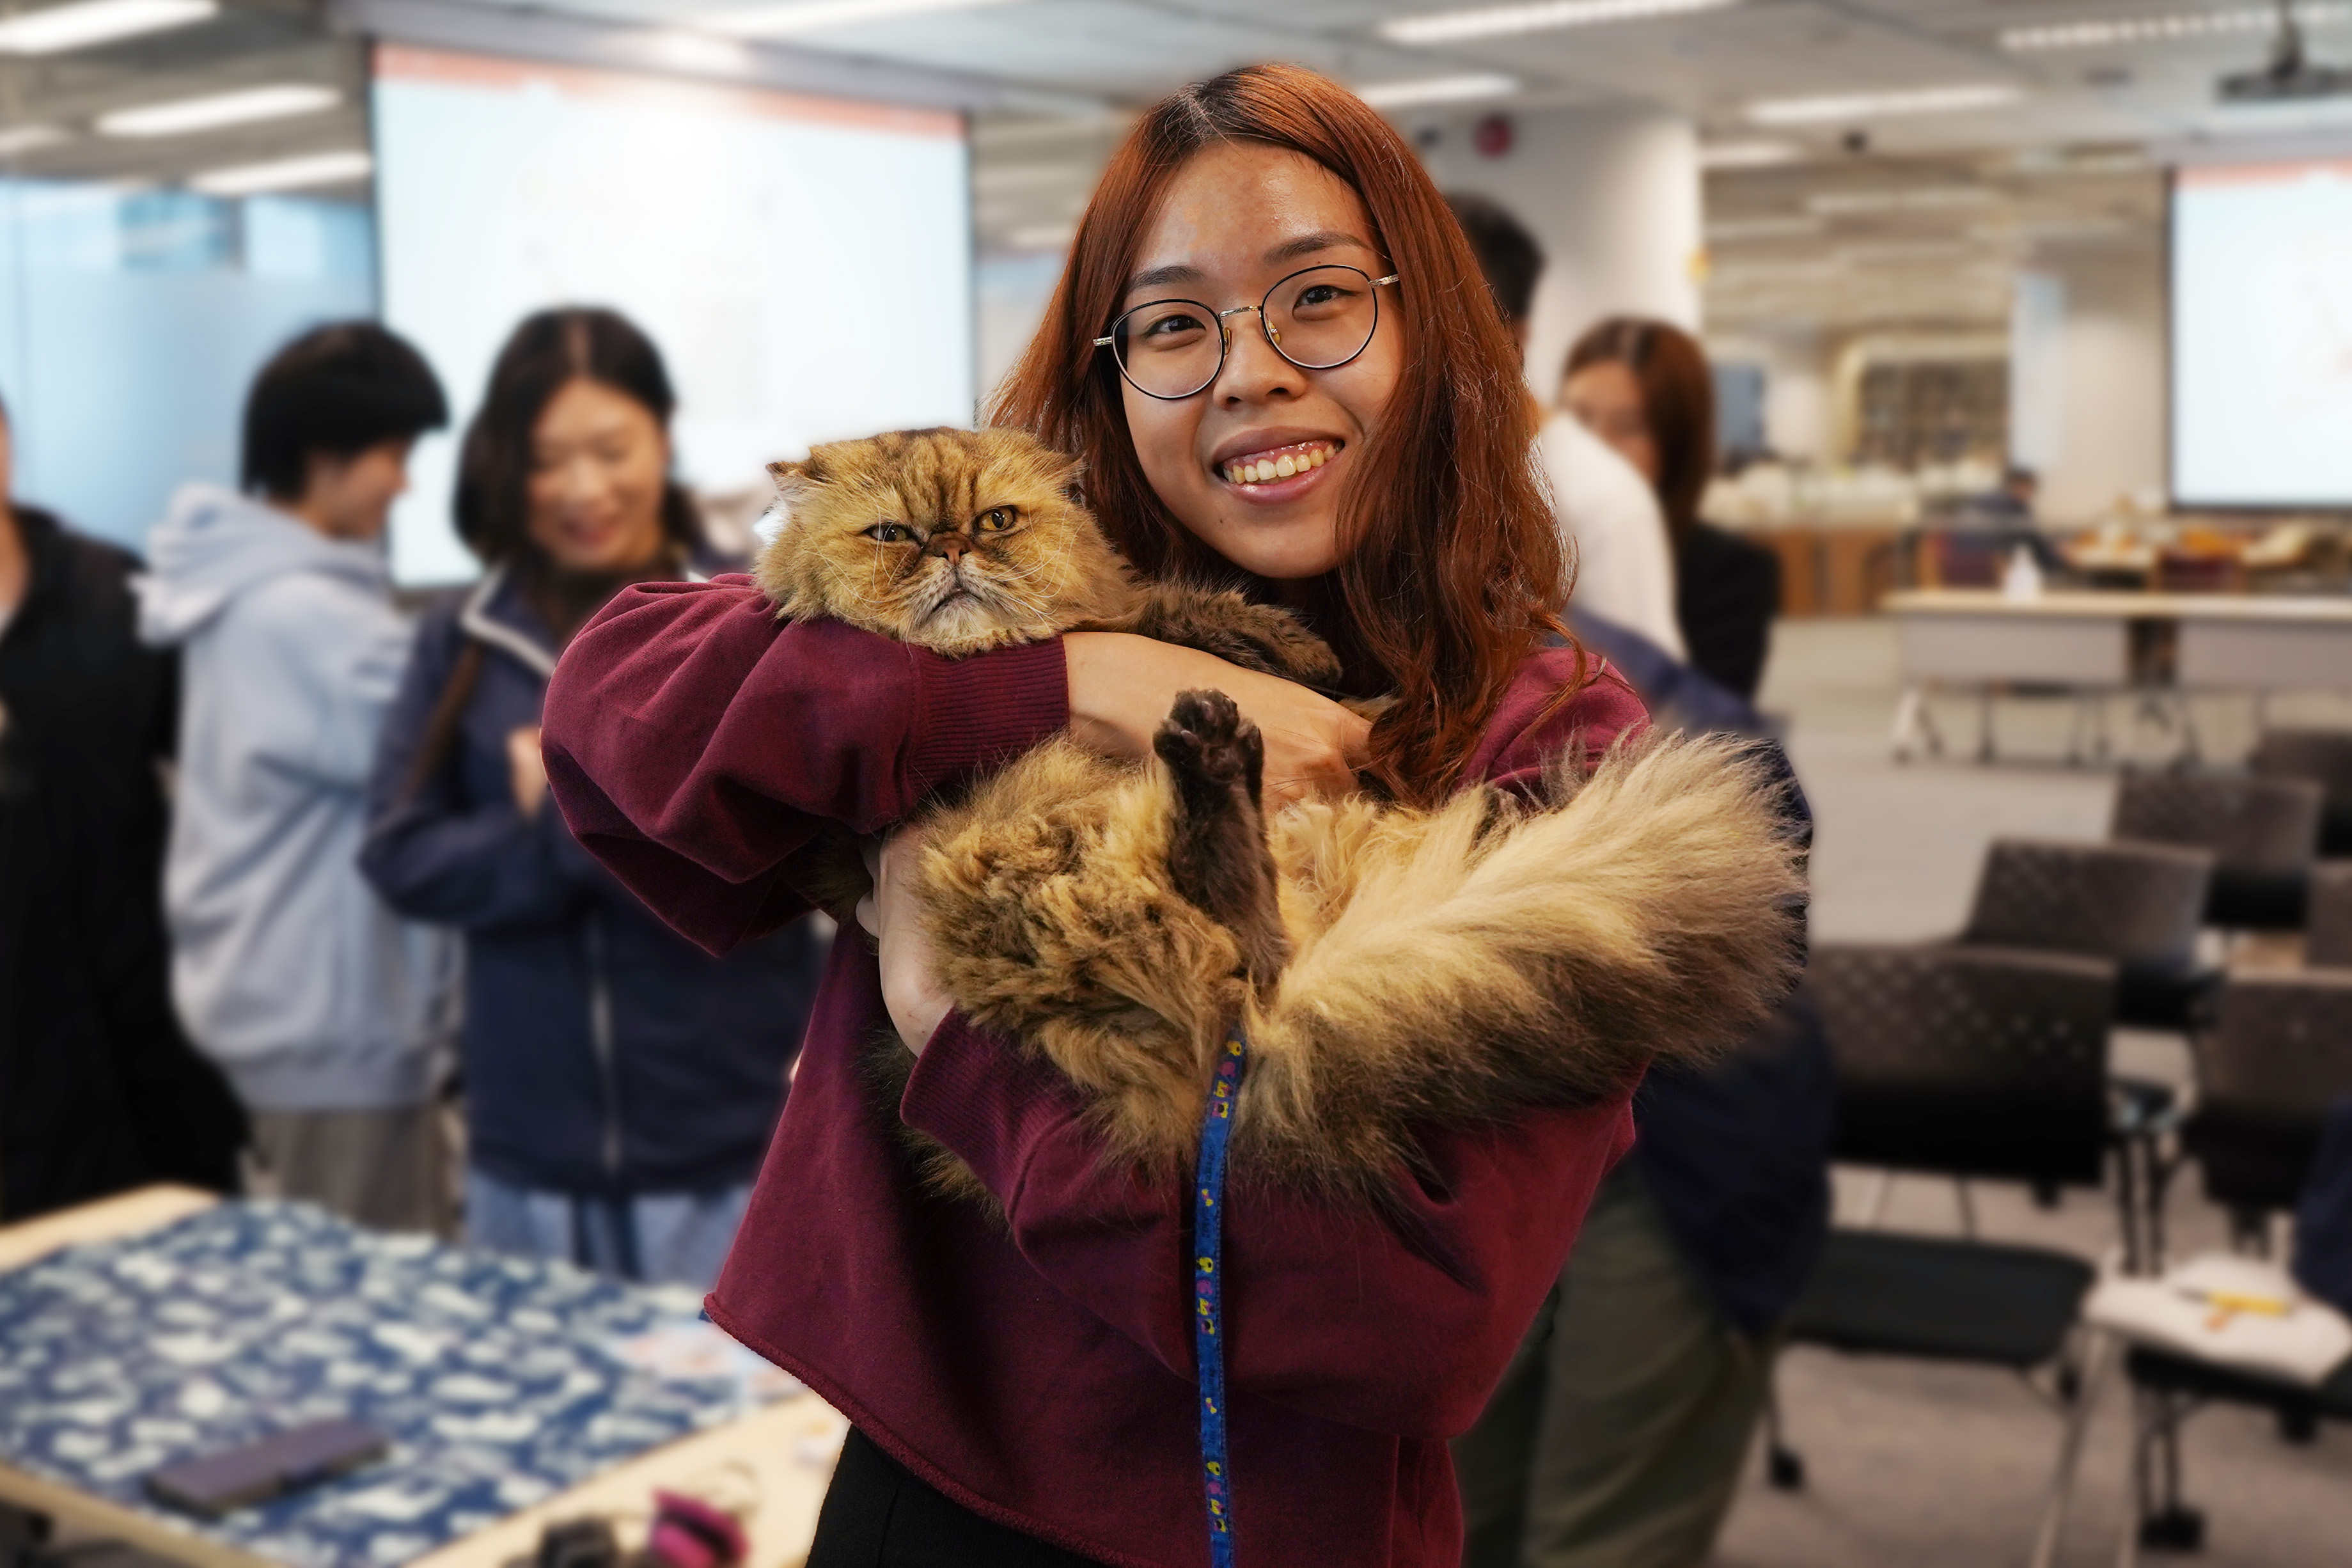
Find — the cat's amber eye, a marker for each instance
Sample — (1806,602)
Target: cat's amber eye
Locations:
(891,533)
(997,519)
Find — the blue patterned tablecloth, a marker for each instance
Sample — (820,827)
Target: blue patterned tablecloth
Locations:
(499,1381)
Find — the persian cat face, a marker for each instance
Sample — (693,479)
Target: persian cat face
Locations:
(952,539)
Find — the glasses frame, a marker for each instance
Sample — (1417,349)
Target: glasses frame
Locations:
(1225,330)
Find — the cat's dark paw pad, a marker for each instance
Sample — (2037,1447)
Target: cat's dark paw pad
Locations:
(1205,737)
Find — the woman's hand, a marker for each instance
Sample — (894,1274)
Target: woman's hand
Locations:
(1121,686)
(526,769)
(911,983)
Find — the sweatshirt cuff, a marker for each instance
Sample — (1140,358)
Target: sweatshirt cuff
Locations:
(988,1101)
(971,712)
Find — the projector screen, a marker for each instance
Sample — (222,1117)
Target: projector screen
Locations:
(804,263)
(2262,335)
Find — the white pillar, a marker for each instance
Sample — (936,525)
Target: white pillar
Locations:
(1613,197)
(2087,399)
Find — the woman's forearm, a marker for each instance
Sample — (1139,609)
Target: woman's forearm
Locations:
(1121,686)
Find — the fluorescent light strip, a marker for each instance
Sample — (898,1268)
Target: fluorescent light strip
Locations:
(1762,227)
(62,27)
(186,115)
(2107,31)
(19,139)
(1748,154)
(285,175)
(1909,199)
(1436,89)
(1953,99)
(816,16)
(1498,21)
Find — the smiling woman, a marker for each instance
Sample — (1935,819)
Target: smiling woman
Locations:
(1274,355)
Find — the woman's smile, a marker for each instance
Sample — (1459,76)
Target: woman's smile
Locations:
(1270,471)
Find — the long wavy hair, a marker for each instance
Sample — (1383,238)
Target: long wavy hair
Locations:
(1452,568)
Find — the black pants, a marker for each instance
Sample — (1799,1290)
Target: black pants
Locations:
(876,1515)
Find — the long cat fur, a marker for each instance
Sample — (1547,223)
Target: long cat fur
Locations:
(1434,968)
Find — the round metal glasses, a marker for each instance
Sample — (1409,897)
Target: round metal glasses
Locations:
(1318,318)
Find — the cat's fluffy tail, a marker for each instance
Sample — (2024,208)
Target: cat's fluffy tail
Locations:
(1498,958)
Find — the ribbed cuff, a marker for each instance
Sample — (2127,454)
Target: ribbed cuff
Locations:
(979,1094)
(971,712)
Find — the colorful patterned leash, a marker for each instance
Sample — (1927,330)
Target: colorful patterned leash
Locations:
(1208,1299)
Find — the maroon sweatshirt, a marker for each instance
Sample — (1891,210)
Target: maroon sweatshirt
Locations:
(1040,1373)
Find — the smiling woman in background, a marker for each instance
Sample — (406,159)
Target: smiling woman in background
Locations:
(620,1084)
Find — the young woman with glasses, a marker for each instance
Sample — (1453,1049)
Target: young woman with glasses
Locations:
(1273,347)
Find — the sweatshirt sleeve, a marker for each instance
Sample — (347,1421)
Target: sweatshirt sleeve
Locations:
(334,657)
(433,852)
(694,742)
(1400,1324)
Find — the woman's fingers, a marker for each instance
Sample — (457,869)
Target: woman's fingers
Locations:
(526,772)
(910,985)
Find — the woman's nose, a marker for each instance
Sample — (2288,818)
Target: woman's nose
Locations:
(1253,370)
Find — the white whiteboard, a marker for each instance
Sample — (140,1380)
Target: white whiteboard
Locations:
(804,264)
(2262,334)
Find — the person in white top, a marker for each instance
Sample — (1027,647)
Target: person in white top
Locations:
(1608,513)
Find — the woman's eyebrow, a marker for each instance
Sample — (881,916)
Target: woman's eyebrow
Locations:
(1157,276)
(1308,244)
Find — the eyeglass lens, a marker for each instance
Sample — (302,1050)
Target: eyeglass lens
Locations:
(1317,319)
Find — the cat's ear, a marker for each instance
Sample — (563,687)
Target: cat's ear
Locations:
(1069,477)
(793,481)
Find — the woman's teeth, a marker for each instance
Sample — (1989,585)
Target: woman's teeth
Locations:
(1281,465)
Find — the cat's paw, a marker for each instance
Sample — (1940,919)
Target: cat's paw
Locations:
(1205,739)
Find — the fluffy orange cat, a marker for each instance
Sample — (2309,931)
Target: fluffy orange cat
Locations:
(1395,968)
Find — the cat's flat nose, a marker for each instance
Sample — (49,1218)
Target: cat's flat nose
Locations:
(951,545)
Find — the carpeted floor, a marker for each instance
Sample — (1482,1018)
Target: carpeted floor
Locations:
(1934,1467)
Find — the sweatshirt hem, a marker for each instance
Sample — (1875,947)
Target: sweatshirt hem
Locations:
(833,1393)
(278,1083)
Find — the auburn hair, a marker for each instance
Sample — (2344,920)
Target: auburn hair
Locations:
(1452,569)
(1677,402)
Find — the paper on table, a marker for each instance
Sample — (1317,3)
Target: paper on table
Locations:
(2238,1312)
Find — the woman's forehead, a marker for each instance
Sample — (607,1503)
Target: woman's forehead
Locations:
(1238,213)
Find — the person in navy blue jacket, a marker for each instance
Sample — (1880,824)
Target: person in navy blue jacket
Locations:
(620,1083)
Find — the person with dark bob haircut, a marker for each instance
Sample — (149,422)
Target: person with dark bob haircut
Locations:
(1644,386)
(620,1083)
(324,1007)
(334,394)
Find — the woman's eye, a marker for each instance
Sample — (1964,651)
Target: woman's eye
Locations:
(996,520)
(1167,332)
(890,532)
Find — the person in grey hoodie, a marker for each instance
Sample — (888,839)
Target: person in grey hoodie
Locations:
(321,1006)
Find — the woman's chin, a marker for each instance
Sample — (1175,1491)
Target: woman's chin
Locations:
(1282,550)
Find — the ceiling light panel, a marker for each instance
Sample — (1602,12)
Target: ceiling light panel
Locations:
(286,175)
(1436,89)
(1748,154)
(18,139)
(1957,98)
(59,28)
(2107,31)
(1502,21)
(184,116)
(820,15)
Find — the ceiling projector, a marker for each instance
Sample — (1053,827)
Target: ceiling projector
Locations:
(2291,75)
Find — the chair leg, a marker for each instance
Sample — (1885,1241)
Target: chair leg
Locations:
(1968,1207)
(2070,1451)
(1873,1208)
(1784,1467)
(2165,1522)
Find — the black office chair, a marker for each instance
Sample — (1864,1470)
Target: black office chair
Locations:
(1965,1061)
(2328,929)
(2279,1055)
(2263,833)
(2323,756)
(2140,905)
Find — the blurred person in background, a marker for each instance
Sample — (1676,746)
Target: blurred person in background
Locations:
(1644,386)
(1624,571)
(98,1089)
(1615,1436)
(322,1006)
(620,1084)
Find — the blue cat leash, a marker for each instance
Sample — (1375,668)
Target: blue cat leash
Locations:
(1208,1299)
